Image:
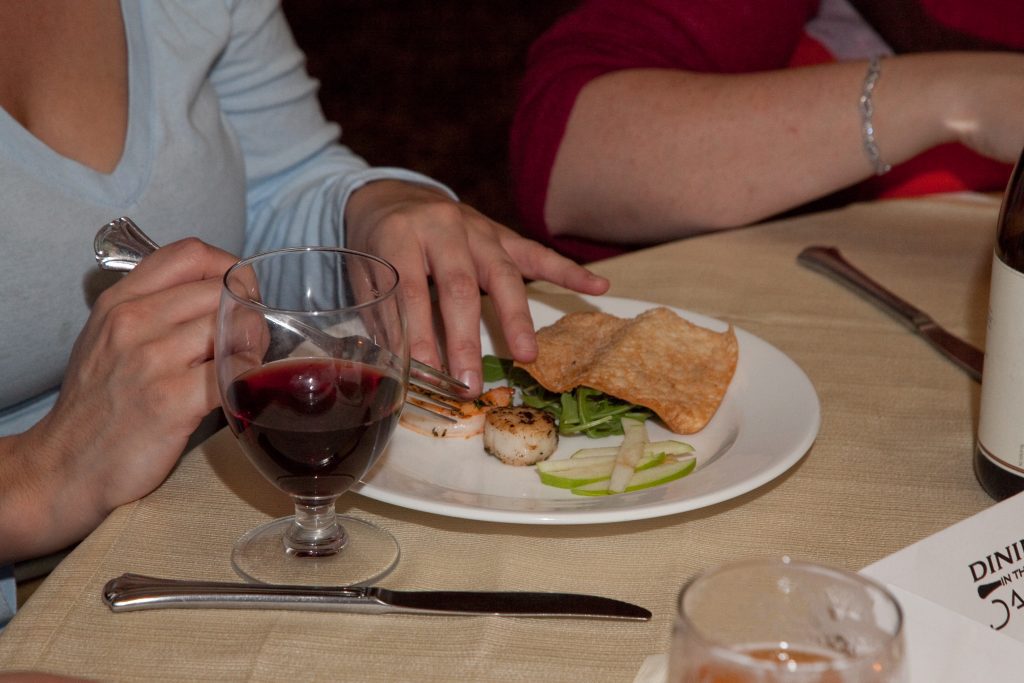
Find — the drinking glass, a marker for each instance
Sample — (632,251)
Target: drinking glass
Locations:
(783,621)
(312,362)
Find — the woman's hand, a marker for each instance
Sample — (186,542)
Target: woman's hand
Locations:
(426,235)
(139,380)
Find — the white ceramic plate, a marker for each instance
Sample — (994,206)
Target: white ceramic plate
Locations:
(767,421)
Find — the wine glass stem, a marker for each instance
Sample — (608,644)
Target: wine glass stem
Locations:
(316,530)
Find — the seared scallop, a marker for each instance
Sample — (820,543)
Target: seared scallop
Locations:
(520,435)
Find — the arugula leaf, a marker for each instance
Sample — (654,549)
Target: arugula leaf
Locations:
(581,411)
(496,369)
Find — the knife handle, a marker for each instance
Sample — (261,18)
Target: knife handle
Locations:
(828,260)
(130,592)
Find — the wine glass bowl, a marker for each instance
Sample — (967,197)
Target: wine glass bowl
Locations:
(312,417)
(783,621)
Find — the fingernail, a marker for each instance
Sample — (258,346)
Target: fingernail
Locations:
(526,347)
(471,379)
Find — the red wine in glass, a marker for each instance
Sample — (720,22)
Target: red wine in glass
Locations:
(313,426)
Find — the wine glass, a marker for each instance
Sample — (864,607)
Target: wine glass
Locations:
(312,363)
(782,621)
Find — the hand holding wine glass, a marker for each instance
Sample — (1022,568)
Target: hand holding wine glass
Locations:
(312,419)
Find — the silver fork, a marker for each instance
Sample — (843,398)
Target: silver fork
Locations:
(121,244)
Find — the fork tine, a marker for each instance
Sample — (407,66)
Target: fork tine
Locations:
(439,377)
(429,391)
(439,389)
(438,401)
(420,387)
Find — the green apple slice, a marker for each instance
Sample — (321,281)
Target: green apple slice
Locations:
(668,447)
(552,466)
(573,463)
(567,474)
(577,476)
(642,479)
(631,449)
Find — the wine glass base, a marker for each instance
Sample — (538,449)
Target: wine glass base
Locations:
(369,554)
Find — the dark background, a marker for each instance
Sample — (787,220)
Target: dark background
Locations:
(428,85)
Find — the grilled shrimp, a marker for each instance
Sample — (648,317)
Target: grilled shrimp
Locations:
(468,416)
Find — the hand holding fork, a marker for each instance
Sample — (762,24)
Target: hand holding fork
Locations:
(120,245)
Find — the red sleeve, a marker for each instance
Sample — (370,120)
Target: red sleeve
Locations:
(601,36)
(999,21)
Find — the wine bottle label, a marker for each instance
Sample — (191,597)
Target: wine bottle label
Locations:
(1001,421)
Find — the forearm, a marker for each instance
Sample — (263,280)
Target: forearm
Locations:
(669,152)
(41,509)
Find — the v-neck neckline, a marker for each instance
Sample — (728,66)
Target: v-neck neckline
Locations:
(123,185)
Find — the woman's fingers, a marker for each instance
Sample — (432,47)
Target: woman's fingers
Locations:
(141,375)
(429,237)
(506,259)
(537,262)
(177,263)
(458,297)
(407,256)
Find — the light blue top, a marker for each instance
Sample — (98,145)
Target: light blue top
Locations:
(8,595)
(226,140)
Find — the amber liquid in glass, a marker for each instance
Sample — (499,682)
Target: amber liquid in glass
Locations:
(801,663)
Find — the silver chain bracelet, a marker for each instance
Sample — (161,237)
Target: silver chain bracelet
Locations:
(867,111)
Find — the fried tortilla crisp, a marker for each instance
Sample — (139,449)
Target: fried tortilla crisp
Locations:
(657,359)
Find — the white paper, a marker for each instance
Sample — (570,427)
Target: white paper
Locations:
(974,568)
(945,647)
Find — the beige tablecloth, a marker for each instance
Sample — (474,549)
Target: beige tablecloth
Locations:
(891,465)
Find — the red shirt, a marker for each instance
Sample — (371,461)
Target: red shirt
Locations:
(737,36)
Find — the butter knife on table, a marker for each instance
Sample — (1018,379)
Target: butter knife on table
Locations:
(828,260)
(130,592)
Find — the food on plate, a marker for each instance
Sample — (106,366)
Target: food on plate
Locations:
(520,435)
(668,447)
(630,451)
(573,472)
(643,479)
(600,472)
(582,410)
(658,359)
(600,375)
(466,418)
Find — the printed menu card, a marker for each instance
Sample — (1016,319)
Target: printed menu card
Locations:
(962,593)
(975,568)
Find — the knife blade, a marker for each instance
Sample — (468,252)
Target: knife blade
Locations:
(130,592)
(830,261)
